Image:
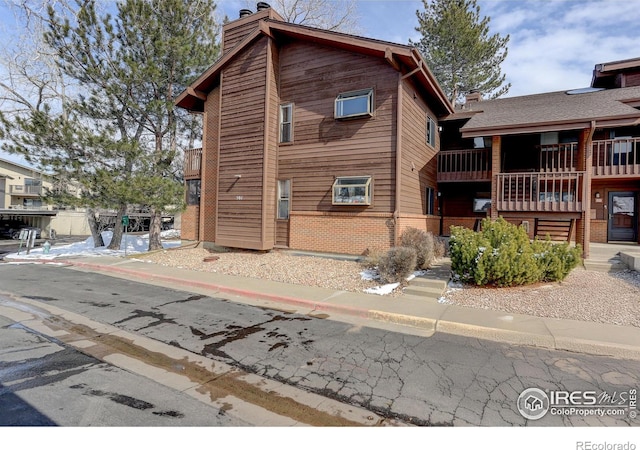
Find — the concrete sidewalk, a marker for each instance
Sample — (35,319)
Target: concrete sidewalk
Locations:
(424,315)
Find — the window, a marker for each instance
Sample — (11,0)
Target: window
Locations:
(284,194)
(31,203)
(193,192)
(286,122)
(430,196)
(481,142)
(354,104)
(352,191)
(431,131)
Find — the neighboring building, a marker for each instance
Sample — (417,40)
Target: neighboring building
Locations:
(313,140)
(21,188)
(565,163)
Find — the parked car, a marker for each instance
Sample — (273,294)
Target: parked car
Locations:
(11,229)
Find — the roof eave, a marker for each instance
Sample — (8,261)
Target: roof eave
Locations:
(602,122)
(193,97)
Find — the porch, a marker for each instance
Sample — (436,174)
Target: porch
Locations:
(192,163)
(610,158)
(609,257)
(540,192)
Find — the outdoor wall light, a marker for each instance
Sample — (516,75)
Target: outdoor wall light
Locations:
(597,194)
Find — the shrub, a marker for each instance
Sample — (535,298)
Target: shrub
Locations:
(502,254)
(423,243)
(440,247)
(397,264)
(371,258)
(556,260)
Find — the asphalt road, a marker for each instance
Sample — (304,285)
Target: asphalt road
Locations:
(423,380)
(46,383)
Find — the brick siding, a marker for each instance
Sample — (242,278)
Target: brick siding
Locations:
(599,231)
(341,232)
(190,223)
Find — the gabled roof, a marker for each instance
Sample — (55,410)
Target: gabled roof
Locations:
(552,111)
(402,57)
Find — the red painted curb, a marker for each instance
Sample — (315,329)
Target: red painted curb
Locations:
(318,306)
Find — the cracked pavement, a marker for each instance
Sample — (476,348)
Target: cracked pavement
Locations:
(437,380)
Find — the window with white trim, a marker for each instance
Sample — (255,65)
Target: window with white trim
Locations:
(284,199)
(286,122)
(351,191)
(431,131)
(354,104)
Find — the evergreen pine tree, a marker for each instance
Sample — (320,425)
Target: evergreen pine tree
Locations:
(458,49)
(118,136)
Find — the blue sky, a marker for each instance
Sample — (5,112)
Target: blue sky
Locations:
(554,44)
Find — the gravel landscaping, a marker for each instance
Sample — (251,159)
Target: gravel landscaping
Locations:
(584,295)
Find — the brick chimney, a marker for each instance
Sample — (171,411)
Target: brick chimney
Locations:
(473,96)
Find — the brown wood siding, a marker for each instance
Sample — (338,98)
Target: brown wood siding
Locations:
(235,34)
(632,79)
(311,76)
(282,233)
(270,167)
(419,163)
(242,148)
(598,210)
(210,159)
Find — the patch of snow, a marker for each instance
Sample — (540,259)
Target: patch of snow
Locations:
(133,244)
(370,274)
(444,301)
(373,275)
(417,273)
(385,289)
(454,285)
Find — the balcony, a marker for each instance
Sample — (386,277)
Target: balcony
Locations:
(616,157)
(558,157)
(464,165)
(25,190)
(192,164)
(540,192)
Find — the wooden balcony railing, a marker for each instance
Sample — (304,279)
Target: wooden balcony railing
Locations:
(192,163)
(557,192)
(558,157)
(615,157)
(464,165)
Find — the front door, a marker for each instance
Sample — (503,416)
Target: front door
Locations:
(623,219)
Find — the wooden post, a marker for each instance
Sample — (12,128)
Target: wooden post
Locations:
(496,144)
(584,164)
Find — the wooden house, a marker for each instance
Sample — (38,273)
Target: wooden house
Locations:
(561,163)
(313,140)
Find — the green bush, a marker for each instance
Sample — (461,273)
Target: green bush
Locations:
(556,260)
(502,255)
(423,243)
(397,264)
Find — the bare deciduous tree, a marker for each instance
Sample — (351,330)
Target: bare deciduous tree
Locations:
(333,15)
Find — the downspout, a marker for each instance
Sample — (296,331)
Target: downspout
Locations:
(396,213)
